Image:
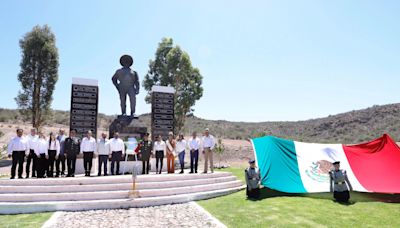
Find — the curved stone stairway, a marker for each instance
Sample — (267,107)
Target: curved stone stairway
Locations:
(111,192)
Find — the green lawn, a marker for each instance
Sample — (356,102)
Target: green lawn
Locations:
(305,210)
(24,220)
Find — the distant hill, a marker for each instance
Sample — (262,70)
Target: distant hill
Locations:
(350,127)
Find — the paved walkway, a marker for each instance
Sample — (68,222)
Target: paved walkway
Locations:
(177,215)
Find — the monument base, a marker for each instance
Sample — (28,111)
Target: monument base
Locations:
(127,126)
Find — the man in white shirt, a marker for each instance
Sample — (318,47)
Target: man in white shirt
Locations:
(43,149)
(88,147)
(194,147)
(117,148)
(33,141)
(208,144)
(160,150)
(181,148)
(17,149)
(103,151)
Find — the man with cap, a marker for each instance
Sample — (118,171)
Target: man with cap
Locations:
(71,150)
(339,183)
(18,149)
(253,178)
(145,148)
(208,144)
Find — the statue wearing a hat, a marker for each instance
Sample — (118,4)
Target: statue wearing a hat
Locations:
(127,83)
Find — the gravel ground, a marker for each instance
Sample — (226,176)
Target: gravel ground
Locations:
(177,215)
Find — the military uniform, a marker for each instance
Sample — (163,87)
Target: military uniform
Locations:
(340,185)
(145,148)
(71,149)
(253,182)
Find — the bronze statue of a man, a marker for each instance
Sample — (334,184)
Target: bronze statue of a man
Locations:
(127,83)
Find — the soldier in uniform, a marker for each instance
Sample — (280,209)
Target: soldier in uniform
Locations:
(127,83)
(252,175)
(71,150)
(339,183)
(146,150)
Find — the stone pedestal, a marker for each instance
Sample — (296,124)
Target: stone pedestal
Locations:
(127,126)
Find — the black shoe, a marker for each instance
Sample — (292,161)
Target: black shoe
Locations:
(33,176)
(181,172)
(72,175)
(62,174)
(191,172)
(195,171)
(20,177)
(106,174)
(12,177)
(27,176)
(99,174)
(57,175)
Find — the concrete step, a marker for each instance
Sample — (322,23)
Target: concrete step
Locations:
(79,196)
(110,187)
(32,207)
(109,179)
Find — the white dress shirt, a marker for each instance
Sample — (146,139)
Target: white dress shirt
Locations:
(88,145)
(160,146)
(33,142)
(208,142)
(43,146)
(194,143)
(54,145)
(103,147)
(18,144)
(180,145)
(117,145)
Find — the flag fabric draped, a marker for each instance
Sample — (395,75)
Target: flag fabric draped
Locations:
(298,167)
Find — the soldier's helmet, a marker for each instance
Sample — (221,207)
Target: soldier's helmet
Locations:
(126,60)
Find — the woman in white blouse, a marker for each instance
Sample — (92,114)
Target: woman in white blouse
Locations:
(160,152)
(43,155)
(180,149)
(53,151)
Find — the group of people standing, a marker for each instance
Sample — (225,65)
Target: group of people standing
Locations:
(176,147)
(55,150)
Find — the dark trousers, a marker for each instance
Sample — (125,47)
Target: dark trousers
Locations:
(32,157)
(115,158)
(52,159)
(71,161)
(159,159)
(181,156)
(103,161)
(194,160)
(60,160)
(145,166)
(342,197)
(253,193)
(42,166)
(87,161)
(17,158)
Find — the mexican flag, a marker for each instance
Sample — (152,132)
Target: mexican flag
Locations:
(298,167)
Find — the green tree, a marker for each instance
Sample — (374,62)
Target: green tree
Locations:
(39,73)
(172,67)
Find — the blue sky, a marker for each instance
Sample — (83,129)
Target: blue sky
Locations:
(261,60)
